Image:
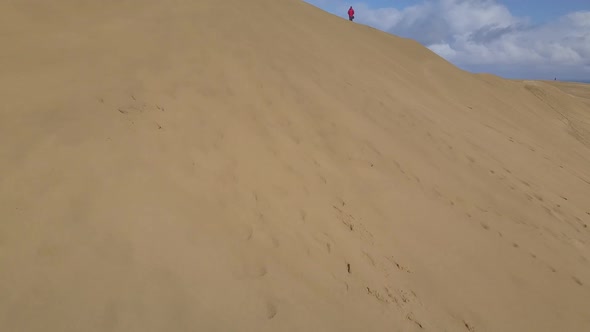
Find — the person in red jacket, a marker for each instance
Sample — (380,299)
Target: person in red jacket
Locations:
(350,14)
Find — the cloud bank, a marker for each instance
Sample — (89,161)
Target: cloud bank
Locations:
(483,35)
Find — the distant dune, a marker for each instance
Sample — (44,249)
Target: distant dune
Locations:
(265,166)
(576,89)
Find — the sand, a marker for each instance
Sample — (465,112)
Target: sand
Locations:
(265,166)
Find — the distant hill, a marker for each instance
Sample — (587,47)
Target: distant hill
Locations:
(575,81)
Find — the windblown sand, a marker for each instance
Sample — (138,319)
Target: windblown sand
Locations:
(265,166)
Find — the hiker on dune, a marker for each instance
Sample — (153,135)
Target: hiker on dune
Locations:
(350,14)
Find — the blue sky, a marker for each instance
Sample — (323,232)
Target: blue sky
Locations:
(535,39)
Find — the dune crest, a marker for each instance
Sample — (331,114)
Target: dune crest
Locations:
(265,166)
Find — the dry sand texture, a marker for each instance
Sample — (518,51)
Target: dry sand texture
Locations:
(265,166)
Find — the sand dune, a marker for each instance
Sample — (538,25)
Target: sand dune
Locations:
(581,90)
(265,166)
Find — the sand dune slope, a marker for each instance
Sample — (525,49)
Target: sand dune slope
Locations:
(264,166)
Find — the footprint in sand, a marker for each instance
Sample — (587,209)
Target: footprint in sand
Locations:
(398,266)
(269,241)
(578,281)
(271,310)
(413,319)
(245,232)
(369,258)
(341,285)
(257,234)
(406,297)
(325,240)
(251,271)
(468,326)
(376,295)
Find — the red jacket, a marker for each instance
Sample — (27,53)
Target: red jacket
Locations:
(350,12)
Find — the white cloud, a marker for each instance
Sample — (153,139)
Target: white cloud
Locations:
(467,16)
(443,50)
(485,34)
(580,19)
